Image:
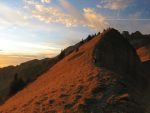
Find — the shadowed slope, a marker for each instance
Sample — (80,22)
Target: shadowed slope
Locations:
(115,53)
(27,72)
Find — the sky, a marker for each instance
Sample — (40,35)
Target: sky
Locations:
(37,29)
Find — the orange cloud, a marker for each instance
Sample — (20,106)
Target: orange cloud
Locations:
(95,20)
(72,18)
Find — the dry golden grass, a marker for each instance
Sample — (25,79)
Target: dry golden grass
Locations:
(63,86)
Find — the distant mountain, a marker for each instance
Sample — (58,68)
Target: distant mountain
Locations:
(140,42)
(101,74)
(137,39)
(27,72)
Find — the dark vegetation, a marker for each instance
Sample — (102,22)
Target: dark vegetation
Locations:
(16,85)
(61,55)
(75,47)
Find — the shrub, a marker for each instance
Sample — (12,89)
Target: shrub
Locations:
(98,33)
(81,42)
(89,37)
(61,55)
(16,85)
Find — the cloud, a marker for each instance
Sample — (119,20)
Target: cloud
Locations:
(45,1)
(95,20)
(71,18)
(12,17)
(26,49)
(89,18)
(49,14)
(36,1)
(15,52)
(71,9)
(114,4)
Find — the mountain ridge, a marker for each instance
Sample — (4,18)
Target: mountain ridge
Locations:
(78,83)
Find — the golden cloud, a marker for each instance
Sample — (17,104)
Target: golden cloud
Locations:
(72,18)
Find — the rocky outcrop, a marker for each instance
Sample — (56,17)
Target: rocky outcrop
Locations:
(115,53)
(138,40)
